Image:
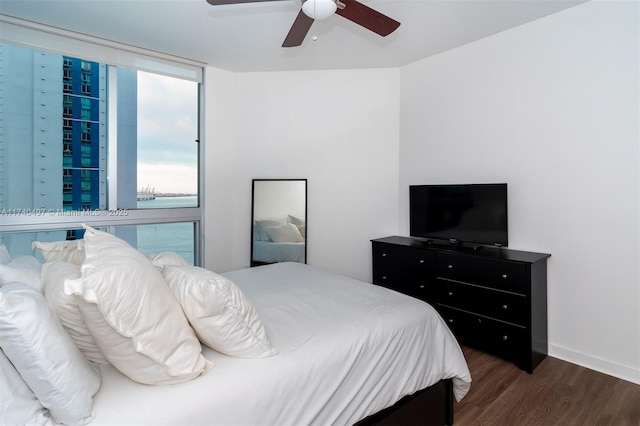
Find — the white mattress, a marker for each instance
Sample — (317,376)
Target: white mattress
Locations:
(347,350)
(271,252)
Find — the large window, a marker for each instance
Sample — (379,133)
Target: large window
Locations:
(112,146)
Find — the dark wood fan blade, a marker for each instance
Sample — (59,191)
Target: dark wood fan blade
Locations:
(298,30)
(221,2)
(368,18)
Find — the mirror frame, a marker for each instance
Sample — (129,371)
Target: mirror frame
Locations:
(253,262)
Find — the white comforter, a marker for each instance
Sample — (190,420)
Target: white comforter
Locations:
(347,350)
(270,252)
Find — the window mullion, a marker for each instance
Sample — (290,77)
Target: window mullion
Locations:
(112,137)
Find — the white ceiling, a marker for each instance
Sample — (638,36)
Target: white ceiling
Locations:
(248,37)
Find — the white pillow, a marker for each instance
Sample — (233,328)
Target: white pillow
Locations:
(160,260)
(19,405)
(45,356)
(262,224)
(23,269)
(303,230)
(221,315)
(134,319)
(68,250)
(296,220)
(53,275)
(4,255)
(288,233)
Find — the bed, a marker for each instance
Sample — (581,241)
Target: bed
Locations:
(272,252)
(344,352)
(279,240)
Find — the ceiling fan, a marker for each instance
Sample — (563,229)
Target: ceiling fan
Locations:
(321,9)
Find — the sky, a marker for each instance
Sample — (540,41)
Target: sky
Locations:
(167,130)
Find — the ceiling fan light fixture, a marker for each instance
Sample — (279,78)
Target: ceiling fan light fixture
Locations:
(319,9)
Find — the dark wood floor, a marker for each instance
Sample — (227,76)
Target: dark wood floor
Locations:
(557,393)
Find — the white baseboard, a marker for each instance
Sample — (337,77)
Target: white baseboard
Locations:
(630,374)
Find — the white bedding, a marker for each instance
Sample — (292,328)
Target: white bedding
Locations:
(271,252)
(347,349)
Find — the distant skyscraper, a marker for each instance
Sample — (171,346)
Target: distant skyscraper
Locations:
(53,132)
(83,142)
(53,138)
(31,136)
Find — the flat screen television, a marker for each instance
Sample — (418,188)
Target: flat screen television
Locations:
(468,213)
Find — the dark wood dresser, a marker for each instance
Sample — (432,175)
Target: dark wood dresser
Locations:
(493,299)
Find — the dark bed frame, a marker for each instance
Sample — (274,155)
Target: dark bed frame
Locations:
(429,406)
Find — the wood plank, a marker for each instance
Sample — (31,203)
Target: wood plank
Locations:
(557,393)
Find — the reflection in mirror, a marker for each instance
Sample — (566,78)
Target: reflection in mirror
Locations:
(279,221)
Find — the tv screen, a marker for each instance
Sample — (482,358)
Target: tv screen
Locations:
(472,213)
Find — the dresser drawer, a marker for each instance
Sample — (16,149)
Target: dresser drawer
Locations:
(404,257)
(488,302)
(498,274)
(500,338)
(402,268)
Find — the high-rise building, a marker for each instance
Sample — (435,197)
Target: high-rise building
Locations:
(53,147)
(53,131)
(83,145)
(53,136)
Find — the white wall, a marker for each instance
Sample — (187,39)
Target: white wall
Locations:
(338,129)
(551,108)
(276,200)
(219,190)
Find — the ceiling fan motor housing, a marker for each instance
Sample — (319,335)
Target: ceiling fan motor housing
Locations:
(319,9)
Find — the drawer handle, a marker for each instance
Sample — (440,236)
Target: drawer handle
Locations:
(505,307)
(505,337)
(504,276)
(450,266)
(450,293)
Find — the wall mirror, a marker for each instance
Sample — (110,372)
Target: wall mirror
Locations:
(279,221)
